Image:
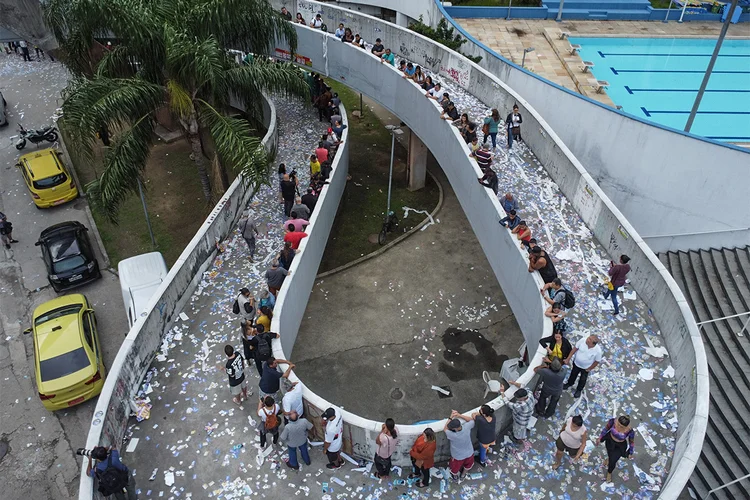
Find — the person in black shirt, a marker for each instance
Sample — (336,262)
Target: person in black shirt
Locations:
(235,369)
(450,113)
(378,49)
(539,260)
(286,14)
(489,179)
(288,192)
(310,200)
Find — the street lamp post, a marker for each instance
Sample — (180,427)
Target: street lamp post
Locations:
(666,18)
(394,130)
(559,11)
(682,14)
(509,5)
(526,51)
(710,68)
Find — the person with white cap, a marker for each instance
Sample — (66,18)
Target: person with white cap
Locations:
(334,423)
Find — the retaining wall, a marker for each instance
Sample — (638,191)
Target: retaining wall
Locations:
(144,338)
(363,72)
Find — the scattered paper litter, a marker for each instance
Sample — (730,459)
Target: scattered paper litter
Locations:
(646,436)
(440,389)
(184,317)
(669,372)
(169,478)
(132,444)
(646,374)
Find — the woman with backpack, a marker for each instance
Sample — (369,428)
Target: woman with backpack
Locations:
(6,231)
(386,441)
(268,411)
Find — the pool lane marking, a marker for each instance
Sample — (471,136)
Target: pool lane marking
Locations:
(604,55)
(633,91)
(618,71)
(648,112)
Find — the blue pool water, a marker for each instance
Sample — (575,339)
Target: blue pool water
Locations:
(658,78)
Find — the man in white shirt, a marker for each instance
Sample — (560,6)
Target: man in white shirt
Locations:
(292,400)
(436,93)
(316,23)
(588,355)
(334,423)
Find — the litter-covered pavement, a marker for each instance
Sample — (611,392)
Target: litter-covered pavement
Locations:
(197,444)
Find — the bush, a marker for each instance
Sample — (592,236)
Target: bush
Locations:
(443,35)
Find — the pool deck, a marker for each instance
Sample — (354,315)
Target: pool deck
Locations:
(552,59)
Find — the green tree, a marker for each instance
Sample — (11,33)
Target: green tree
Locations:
(169,54)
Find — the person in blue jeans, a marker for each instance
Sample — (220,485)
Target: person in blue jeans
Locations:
(486,433)
(493,122)
(295,436)
(110,457)
(617,276)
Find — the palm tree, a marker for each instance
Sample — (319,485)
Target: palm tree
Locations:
(173,54)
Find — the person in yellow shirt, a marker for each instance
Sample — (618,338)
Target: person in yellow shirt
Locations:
(266,315)
(314,165)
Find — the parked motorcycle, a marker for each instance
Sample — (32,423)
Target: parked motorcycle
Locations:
(48,134)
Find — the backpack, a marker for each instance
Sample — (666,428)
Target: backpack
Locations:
(112,479)
(569,301)
(264,347)
(272,420)
(236,307)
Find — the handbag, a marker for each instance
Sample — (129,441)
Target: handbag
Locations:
(486,129)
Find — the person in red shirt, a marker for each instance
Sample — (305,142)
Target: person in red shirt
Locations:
(321,153)
(617,276)
(294,237)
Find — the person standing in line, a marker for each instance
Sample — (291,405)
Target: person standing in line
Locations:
(386,441)
(552,378)
(321,152)
(25,50)
(298,223)
(513,122)
(555,293)
(617,276)
(266,299)
(572,440)
(339,33)
(294,237)
(309,200)
(288,193)
(333,440)
(292,400)
(522,407)
(378,49)
(539,260)
(108,463)
(6,231)
(509,203)
(588,355)
(314,165)
(348,36)
(614,436)
(317,23)
(493,124)
(286,256)
(275,277)
(261,344)
(265,318)
(268,411)
(511,220)
(557,346)
(294,435)
(302,210)
(462,450)
(321,102)
(249,232)
(423,457)
(270,380)
(235,370)
(244,305)
(486,433)
(247,334)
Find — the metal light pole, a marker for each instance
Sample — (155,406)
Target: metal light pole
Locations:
(559,11)
(666,18)
(710,68)
(510,2)
(682,14)
(394,130)
(145,212)
(526,51)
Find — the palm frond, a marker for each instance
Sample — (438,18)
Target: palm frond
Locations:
(180,101)
(196,63)
(235,145)
(123,165)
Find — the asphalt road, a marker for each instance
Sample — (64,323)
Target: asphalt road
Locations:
(40,463)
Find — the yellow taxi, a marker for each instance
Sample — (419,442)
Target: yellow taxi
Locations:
(46,178)
(67,354)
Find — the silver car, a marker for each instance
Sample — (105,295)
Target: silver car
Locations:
(3,104)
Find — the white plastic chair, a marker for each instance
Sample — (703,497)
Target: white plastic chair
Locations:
(490,385)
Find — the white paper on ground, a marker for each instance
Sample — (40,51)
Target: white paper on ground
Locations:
(349,459)
(643,431)
(629,295)
(365,469)
(132,444)
(605,305)
(169,478)
(532,423)
(669,372)
(338,481)
(184,317)
(440,389)
(657,352)
(646,374)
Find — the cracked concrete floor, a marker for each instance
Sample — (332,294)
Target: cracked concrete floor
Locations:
(429,311)
(40,463)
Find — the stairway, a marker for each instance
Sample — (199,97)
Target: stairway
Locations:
(716,284)
(599,9)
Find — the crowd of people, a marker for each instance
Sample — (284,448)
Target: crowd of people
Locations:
(276,409)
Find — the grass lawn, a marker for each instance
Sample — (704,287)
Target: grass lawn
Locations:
(662,4)
(175,203)
(364,200)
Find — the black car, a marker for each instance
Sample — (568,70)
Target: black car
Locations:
(68,255)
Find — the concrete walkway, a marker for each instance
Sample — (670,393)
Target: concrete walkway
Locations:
(197,435)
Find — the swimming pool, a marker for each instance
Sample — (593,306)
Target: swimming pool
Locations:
(658,78)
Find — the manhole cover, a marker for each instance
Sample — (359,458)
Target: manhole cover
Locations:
(397,394)
(3,449)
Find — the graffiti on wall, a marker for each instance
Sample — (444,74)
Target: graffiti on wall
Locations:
(457,70)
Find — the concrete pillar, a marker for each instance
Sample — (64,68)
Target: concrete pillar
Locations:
(402,20)
(417,162)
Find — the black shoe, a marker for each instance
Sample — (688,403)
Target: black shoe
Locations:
(567,386)
(14,241)
(615,313)
(7,246)
(577,394)
(483,464)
